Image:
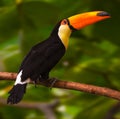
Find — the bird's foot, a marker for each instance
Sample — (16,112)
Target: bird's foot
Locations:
(51,82)
(47,82)
(37,81)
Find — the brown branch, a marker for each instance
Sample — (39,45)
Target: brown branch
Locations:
(47,108)
(7,76)
(72,86)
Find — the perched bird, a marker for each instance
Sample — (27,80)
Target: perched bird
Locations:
(45,55)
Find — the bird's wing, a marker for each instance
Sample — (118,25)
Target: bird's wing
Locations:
(40,60)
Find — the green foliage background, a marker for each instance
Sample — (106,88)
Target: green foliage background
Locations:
(93,56)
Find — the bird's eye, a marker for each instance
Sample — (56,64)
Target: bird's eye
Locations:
(64,22)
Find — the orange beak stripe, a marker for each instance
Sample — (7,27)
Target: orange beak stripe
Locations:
(81,20)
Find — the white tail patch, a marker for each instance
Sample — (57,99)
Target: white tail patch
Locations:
(18,79)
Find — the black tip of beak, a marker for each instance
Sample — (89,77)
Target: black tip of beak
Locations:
(103,13)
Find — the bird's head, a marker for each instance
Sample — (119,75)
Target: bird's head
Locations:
(79,21)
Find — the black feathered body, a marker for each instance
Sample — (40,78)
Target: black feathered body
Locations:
(37,64)
(42,58)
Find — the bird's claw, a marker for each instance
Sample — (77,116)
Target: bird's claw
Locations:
(48,82)
(52,81)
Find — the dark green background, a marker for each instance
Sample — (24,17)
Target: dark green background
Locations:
(93,56)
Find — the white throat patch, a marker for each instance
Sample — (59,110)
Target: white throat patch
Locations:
(64,33)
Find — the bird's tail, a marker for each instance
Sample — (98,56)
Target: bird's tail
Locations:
(16,93)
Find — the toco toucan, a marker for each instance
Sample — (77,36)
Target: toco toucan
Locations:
(45,55)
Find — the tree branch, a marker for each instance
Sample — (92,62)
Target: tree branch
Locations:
(71,85)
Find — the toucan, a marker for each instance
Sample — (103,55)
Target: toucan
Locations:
(45,55)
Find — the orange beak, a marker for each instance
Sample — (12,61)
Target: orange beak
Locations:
(81,20)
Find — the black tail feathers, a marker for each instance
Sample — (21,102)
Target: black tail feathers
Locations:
(16,93)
